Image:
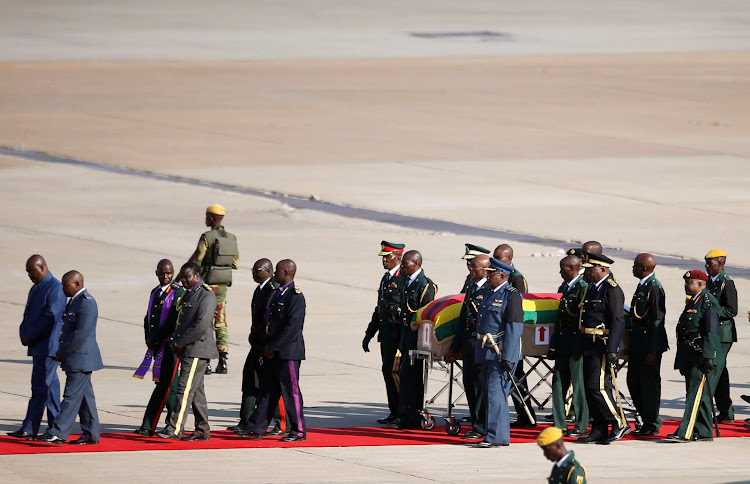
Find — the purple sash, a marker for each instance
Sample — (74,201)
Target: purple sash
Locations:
(159,354)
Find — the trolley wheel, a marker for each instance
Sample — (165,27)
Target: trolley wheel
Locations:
(453,427)
(428,423)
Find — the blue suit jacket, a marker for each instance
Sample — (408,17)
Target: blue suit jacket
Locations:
(286,317)
(500,311)
(78,349)
(42,317)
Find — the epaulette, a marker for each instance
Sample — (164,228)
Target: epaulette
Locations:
(87,296)
(612,282)
(207,287)
(512,289)
(727,277)
(297,289)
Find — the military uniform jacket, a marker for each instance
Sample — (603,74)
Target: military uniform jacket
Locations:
(42,317)
(195,332)
(647,311)
(567,339)
(517,280)
(413,297)
(154,331)
(724,294)
(501,315)
(78,348)
(467,318)
(286,318)
(603,307)
(467,285)
(258,308)
(697,333)
(385,318)
(571,471)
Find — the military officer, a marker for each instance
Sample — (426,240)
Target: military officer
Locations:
(567,470)
(603,323)
(498,349)
(386,322)
(417,291)
(471,251)
(698,358)
(648,340)
(504,253)
(722,289)
(464,343)
(566,348)
(193,342)
(217,262)
(159,324)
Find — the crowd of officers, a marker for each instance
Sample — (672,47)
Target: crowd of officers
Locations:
(586,344)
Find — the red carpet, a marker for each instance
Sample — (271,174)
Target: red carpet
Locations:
(343,437)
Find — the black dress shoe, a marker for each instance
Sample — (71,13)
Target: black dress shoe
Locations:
(235,428)
(592,438)
(208,369)
(20,434)
(196,436)
(293,438)
(473,435)
(724,417)
(386,420)
(486,445)
(397,424)
(576,433)
(645,431)
(82,440)
(701,438)
(249,434)
(165,434)
(142,432)
(616,434)
(276,432)
(48,438)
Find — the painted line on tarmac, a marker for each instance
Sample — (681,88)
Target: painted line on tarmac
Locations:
(405,221)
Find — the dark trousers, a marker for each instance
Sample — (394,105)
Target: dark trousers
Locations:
(473,387)
(388,348)
(600,394)
(280,378)
(251,376)
(567,371)
(697,421)
(78,399)
(164,394)
(190,394)
(45,394)
(723,401)
(411,391)
(521,417)
(644,385)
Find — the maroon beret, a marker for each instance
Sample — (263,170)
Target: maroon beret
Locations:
(696,275)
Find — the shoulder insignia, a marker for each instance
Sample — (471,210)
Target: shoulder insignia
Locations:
(297,289)
(612,282)
(86,295)
(727,277)
(207,287)
(480,297)
(512,289)
(579,480)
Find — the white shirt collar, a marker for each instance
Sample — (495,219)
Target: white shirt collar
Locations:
(713,279)
(498,287)
(262,284)
(480,283)
(599,284)
(164,287)
(393,271)
(562,461)
(414,276)
(570,284)
(76,294)
(643,281)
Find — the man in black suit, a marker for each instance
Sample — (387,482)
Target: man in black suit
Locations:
(283,353)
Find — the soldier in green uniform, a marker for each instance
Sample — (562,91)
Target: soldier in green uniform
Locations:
(698,358)
(566,348)
(471,251)
(217,256)
(567,470)
(504,253)
(648,340)
(386,323)
(417,291)
(159,324)
(464,343)
(722,289)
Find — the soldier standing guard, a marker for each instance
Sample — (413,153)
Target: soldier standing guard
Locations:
(566,348)
(603,323)
(721,287)
(698,358)
(498,349)
(386,322)
(217,255)
(648,340)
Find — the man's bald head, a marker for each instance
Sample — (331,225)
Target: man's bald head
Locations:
(164,272)
(570,267)
(411,262)
(285,271)
(643,265)
(592,246)
(72,282)
(262,270)
(478,267)
(504,253)
(36,268)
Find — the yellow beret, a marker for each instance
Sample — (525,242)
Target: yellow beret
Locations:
(216,210)
(715,253)
(548,436)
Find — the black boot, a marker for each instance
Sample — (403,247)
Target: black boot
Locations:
(208,369)
(221,368)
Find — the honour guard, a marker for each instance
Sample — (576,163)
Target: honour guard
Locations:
(603,323)
(698,358)
(386,322)
(471,251)
(566,348)
(567,470)
(648,340)
(722,289)
(498,349)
